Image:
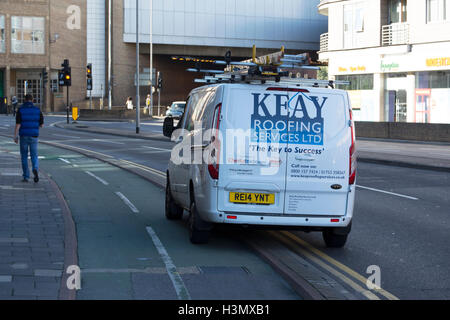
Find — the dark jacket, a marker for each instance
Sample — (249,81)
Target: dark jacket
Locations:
(30,118)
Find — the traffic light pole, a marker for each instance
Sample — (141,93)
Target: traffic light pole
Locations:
(67,106)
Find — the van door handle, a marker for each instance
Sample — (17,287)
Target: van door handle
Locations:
(203,147)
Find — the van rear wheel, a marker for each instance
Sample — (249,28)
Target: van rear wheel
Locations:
(334,240)
(197,235)
(173,211)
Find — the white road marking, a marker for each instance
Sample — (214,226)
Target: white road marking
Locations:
(98,178)
(159,149)
(64,136)
(127,202)
(387,192)
(65,161)
(145,168)
(109,141)
(172,271)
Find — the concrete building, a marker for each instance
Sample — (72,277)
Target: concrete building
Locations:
(204,28)
(396,53)
(36,37)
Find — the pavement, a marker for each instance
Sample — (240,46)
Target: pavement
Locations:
(34,246)
(414,154)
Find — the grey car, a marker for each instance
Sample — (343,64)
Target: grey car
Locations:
(176,110)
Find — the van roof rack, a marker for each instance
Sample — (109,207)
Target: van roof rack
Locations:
(277,68)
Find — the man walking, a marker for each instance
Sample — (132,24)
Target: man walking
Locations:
(29,119)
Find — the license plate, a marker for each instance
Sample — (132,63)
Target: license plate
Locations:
(252,198)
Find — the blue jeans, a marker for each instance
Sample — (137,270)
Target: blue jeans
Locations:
(31,144)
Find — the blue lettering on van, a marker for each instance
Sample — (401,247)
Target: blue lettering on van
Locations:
(292,121)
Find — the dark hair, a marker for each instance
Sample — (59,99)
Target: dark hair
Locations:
(29,97)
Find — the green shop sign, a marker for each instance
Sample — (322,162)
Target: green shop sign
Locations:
(387,67)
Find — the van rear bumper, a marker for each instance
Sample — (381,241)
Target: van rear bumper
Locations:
(281,220)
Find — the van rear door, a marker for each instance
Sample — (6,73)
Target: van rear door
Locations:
(252,173)
(318,154)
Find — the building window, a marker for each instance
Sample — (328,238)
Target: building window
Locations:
(27,35)
(438,10)
(357,82)
(433,80)
(397,11)
(54,85)
(2,34)
(353,24)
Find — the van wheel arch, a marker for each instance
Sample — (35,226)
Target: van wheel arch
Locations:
(199,230)
(172,210)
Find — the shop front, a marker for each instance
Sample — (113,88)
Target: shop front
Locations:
(409,87)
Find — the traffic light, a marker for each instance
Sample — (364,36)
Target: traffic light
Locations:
(89,71)
(44,77)
(65,75)
(159,82)
(89,76)
(68,77)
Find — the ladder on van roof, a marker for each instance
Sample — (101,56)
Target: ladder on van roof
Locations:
(277,68)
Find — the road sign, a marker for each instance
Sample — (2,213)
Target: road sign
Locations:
(75,114)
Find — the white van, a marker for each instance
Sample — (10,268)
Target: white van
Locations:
(283,155)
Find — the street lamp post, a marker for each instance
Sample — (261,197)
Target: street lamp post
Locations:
(151,59)
(109,55)
(138,100)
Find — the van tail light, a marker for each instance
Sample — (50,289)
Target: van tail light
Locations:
(213,166)
(352,177)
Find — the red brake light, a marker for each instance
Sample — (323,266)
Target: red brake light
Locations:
(213,168)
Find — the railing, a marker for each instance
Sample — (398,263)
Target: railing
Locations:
(396,33)
(324,42)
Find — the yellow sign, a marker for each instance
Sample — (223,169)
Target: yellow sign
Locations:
(254,198)
(353,69)
(75,113)
(438,62)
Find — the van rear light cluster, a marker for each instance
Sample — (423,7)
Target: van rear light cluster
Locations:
(352,177)
(213,166)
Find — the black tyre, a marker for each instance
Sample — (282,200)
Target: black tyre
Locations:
(333,240)
(173,211)
(197,235)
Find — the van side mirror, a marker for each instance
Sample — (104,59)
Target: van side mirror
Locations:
(168,127)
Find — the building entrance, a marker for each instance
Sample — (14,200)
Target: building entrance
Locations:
(2,82)
(29,83)
(396,106)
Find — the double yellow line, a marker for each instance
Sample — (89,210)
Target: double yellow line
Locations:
(333,266)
